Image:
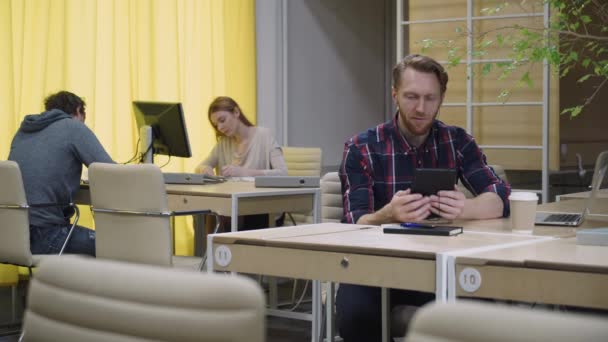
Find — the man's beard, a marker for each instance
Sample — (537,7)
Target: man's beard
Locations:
(417,130)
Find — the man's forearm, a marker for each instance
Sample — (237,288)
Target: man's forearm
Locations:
(377,218)
(485,206)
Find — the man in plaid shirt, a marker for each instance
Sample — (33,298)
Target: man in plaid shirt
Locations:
(377,172)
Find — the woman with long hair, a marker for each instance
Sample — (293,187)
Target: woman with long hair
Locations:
(242,149)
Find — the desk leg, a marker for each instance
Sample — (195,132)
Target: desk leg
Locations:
(316,311)
(14,304)
(210,261)
(234,217)
(450,275)
(329,311)
(173,232)
(316,212)
(273,293)
(386,324)
(441,275)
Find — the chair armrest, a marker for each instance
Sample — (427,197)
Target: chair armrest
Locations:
(191,212)
(47,205)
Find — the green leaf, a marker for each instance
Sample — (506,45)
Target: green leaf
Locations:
(584,78)
(504,94)
(574,111)
(486,69)
(526,79)
(500,40)
(485,44)
(585,19)
(586,62)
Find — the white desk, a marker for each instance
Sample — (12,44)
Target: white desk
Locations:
(236,198)
(364,255)
(581,195)
(350,254)
(552,272)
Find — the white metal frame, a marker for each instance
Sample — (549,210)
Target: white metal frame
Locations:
(469,104)
(315,317)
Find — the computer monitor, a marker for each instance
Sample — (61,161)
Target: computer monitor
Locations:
(162,129)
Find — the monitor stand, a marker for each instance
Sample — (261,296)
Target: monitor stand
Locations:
(146,138)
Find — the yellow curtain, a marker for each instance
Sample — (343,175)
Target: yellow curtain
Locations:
(112,52)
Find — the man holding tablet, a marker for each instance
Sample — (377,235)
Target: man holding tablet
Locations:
(378,169)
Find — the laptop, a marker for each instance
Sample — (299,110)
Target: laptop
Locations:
(571,219)
(287,182)
(191,178)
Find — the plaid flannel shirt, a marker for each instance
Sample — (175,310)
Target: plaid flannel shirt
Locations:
(379,162)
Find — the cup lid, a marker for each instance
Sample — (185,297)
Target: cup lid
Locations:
(523,196)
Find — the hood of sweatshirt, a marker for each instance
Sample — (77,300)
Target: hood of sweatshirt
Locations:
(38,122)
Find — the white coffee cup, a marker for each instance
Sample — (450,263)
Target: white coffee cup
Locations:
(523,210)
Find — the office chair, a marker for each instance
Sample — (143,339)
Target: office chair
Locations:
(476,321)
(75,298)
(302,161)
(132,217)
(15,224)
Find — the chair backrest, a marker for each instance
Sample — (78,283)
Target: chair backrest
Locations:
(14,220)
(74,298)
(331,198)
(130,237)
(472,322)
(331,201)
(302,161)
(498,169)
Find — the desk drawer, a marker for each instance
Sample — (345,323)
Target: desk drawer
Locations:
(538,285)
(372,270)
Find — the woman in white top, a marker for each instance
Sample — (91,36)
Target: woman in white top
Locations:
(242,150)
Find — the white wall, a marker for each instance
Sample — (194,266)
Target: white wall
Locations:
(323,70)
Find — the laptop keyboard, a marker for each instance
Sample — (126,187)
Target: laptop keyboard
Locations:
(562,218)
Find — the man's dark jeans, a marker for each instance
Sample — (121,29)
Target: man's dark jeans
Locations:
(358,310)
(49,240)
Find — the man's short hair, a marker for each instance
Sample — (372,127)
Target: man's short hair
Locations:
(423,64)
(66,101)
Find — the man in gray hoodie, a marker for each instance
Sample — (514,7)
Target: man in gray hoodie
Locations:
(50,149)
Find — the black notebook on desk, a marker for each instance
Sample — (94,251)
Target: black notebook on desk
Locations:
(423,230)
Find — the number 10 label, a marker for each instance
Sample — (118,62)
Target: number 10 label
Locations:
(469,279)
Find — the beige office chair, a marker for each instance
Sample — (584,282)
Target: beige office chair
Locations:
(81,299)
(331,198)
(303,161)
(331,201)
(132,217)
(15,223)
(475,321)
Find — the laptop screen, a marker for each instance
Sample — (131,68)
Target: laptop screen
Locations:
(597,205)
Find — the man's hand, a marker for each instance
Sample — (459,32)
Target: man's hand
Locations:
(448,204)
(403,207)
(408,207)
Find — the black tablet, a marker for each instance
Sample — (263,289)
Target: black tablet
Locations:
(430,181)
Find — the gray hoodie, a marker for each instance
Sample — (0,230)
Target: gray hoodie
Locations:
(50,149)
